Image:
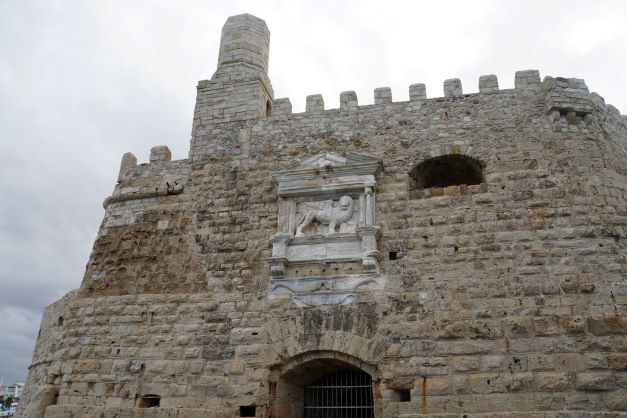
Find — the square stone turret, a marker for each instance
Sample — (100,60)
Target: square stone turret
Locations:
(239,90)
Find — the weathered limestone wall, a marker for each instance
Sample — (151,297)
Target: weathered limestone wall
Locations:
(506,298)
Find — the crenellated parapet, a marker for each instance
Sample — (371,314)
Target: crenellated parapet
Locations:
(159,177)
(240,93)
(567,100)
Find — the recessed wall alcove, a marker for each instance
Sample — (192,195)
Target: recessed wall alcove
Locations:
(446,170)
(449,174)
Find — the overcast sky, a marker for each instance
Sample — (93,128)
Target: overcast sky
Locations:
(82,82)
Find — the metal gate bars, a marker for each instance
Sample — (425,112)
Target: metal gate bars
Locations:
(344,394)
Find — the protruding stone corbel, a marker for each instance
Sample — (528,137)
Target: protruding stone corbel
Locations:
(170,188)
(174,188)
(279,245)
(277,267)
(278,261)
(370,253)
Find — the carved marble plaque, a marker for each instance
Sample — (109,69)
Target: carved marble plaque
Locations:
(325,248)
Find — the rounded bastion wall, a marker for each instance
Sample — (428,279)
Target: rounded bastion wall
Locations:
(502,297)
(479,272)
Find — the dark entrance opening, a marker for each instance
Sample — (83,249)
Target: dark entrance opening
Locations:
(344,394)
(149,401)
(446,170)
(325,385)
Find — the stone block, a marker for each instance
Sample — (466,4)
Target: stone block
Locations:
(315,103)
(160,153)
(447,329)
(595,382)
(569,362)
(192,413)
(485,329)
(435,386)
(546,325)
(551,381)
(527,80)
(616,401)
(484,383)
(348,101)
(518,326)
(382,95)
(405,383)
(128,160)
(488,84)
(596,360)
(281,107)
(453,87)
(464,364)
(417,92)
(607,325)
(573,325)
(492,363)
(617,361)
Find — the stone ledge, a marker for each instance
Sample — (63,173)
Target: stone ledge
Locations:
(461,190)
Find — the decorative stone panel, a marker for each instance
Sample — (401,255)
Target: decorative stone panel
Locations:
(325,248)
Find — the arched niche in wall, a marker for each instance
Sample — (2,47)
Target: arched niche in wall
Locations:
(446,170)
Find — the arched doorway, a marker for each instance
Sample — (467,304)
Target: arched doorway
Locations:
(325,385)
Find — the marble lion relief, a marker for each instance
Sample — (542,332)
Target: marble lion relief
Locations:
(325,247)
(330,214)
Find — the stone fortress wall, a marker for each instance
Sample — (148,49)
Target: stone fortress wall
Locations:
(505,297)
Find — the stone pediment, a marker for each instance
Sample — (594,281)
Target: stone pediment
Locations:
(321,172)
(324,161)
(332,160)
(328,161)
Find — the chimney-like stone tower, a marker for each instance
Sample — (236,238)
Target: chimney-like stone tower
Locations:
(245,43)
(239,90)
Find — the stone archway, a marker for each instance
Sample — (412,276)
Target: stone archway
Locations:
(290,383)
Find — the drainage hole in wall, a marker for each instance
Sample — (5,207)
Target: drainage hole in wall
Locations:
(393,255)
(403,395)
(247,411)
(149,401)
